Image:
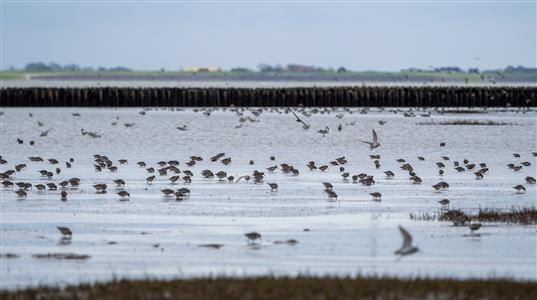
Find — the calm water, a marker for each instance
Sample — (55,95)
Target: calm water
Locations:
(152,236)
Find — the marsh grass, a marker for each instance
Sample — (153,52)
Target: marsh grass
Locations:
(289,288)
(514,215)
(66,256)
(468,122)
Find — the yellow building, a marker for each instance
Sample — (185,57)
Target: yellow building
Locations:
(203,69)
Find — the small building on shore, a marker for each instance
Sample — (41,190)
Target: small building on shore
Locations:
(196,69)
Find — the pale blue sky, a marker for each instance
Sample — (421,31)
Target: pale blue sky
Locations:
(360,36)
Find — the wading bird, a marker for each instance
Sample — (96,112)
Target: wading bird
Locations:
(252,236)
(65,231)
(324,131)
(273,187)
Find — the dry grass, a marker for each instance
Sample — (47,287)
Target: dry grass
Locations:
(68,256)
(514,215)
(289,288)
(463,111)
(468,122)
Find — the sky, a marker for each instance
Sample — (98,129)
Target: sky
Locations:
(390,35)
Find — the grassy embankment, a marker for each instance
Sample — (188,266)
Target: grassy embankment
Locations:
(289,288)
(12,75)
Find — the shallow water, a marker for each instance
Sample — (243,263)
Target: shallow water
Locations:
(152,236)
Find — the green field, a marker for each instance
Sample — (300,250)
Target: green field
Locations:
(12,74)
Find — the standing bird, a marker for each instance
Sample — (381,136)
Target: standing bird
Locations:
(65,231)
(119,182)
(21,193)
(324,131)
(167,192)
(474,227)
(441,185)
(252,236)
(520,189)
(328,185)
(150,179)
(376,196)
(100,187)
(375,143)
(63,196)
(444,202)
(273,187)
(124,194)
(331,194)
(407,248)
(304,125)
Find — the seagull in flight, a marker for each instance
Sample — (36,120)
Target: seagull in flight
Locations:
(375,143)
(407,248)
(304,125)
(45,133)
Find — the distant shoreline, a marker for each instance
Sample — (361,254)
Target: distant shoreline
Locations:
(273,78)
(397,76)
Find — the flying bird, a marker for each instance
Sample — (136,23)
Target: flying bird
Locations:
(375,143)
(304,125)
(407,248)
(45,133)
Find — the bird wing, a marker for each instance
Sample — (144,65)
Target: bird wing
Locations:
(366,142)
(297,118)
(407,238)
(374,136)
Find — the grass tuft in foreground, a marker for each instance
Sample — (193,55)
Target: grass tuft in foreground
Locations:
(522,215)
(289,288)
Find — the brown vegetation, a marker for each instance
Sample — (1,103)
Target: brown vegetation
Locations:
(289,288)
(61,256)
(468,122)
(523,215)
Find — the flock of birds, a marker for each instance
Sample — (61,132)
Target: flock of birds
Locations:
(171,167)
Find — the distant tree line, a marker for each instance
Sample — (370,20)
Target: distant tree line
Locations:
(470,70)
(55,67)
(294,68)
(520,69)
(297,68)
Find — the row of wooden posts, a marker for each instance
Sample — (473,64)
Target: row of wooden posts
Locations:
(301,96)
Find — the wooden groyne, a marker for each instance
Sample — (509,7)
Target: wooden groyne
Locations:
(300,96)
